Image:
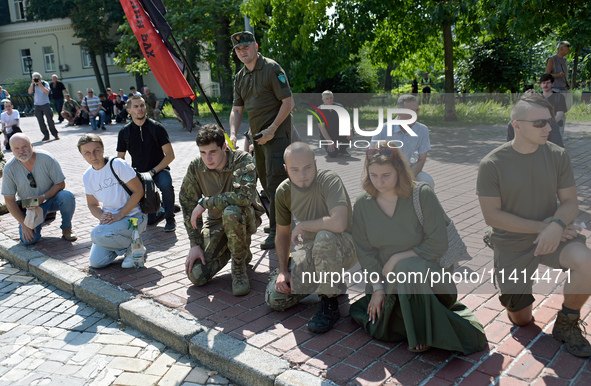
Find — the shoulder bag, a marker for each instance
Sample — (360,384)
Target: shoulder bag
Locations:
(150,202)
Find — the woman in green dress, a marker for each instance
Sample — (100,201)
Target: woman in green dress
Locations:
(393,245)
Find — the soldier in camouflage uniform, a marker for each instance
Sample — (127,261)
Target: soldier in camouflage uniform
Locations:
(318,204)
(3,208)
(223,182)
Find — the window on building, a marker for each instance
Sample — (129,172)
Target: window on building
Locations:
(86,63)
(25,54)
(18,9)
(49,59)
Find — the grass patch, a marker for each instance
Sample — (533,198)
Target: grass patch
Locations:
(222,110)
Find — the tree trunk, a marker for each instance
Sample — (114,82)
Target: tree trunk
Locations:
(573,82)
(105,69)
(223,59)
(139,83)
(388,79)
(450,103)
(95,68)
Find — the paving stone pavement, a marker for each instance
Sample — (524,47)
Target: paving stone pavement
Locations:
(49,337)
(345,355)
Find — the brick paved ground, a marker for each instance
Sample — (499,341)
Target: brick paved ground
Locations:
(346,354)
(49,337)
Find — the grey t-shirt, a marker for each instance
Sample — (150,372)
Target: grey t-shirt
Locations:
(46,172)
(40,98)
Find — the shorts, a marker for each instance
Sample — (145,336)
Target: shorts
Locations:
(514,257)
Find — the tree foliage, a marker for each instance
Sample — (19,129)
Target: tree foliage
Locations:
(93,22)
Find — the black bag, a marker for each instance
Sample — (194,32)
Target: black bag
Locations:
(150,202)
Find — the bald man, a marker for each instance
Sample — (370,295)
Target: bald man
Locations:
(36,175)
(318,204)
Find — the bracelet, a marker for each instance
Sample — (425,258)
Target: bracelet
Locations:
(559,222)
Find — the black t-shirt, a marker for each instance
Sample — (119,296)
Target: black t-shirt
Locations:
(332,120)
(145,150)
(57,90)
(107,104)
(120,105)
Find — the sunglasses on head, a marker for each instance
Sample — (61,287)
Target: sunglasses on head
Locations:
(32,182)
(385,152)
(539,123)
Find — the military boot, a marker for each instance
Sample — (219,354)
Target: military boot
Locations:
(326,315)
(567,329)
(240,282)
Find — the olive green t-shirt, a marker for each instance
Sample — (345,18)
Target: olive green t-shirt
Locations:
(526,183)
(326,192)
(261,91)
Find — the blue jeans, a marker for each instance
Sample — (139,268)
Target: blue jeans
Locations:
(63,201)
(101,117)
(111,240)
(163,181)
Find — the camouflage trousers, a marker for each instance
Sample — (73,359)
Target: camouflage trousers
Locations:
(329,252)
(225,239)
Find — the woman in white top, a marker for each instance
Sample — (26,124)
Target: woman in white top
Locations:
(112,237)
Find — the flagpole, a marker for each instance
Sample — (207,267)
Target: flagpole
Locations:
(192,75)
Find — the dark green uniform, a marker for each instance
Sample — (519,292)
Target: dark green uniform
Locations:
(234,212)
(413,309)
(321,252)
(261,91)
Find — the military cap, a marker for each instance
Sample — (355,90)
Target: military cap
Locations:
(242,39)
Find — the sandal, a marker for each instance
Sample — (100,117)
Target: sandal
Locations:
(418,350)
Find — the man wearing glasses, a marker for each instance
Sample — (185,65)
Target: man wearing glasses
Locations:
(92,105)
(36,175)
(517,187)
(313,212)
(414,148)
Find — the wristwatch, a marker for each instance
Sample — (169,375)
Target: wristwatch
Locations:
(200,202)
(153,171)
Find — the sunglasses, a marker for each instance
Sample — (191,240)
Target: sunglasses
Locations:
(539,123)
(32,182)
(385,152)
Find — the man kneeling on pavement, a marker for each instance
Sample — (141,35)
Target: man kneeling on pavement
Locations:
(320,207)
(223,182)
(37,175)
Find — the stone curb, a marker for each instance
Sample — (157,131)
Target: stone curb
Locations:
(235,359)
(102,295)
(161,323)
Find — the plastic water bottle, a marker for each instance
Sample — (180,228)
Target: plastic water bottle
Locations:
(138,251)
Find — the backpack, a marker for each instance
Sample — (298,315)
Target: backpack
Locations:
(150,202)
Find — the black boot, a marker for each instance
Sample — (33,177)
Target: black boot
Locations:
(326,315)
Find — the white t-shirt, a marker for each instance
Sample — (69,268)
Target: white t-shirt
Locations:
(9,119)
(103,185)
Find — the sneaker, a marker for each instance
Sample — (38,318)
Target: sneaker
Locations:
(69,234)
(567,329)
(103,127)
(326,315)
(56,136)
(128,260)
(155,219)
(170,225)
(269,243)
(68,124)
(45,138)
(177,208)
(240,281)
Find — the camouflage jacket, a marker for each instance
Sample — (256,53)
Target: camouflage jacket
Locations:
(235,185)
